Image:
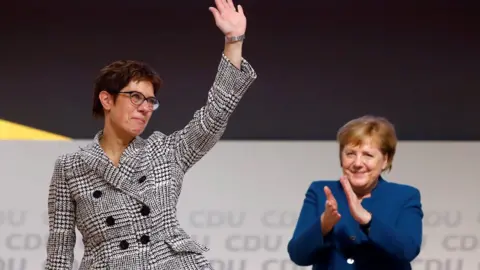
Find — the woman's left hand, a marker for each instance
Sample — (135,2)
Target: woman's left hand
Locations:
(359,213)
(230,21)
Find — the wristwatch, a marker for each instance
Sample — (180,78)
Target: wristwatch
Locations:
(234,39)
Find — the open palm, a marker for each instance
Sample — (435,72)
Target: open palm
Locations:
(354,203)
(230,21)
(330,215)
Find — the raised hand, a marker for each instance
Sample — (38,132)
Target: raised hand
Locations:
(330,215)
(359,213)
(230,21)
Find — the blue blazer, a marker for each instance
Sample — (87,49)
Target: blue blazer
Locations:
(391,242)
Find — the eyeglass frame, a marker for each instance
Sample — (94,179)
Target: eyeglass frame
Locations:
(144,98)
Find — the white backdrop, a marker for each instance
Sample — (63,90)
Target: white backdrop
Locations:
(242,200)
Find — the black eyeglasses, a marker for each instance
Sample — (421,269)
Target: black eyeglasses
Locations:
(138,98)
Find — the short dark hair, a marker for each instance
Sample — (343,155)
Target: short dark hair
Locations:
(115,76)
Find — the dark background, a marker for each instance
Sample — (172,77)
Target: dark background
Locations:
(320,64)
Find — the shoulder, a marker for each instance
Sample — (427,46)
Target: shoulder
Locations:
(402,192)
(68,159)
(161,140)
(320,184)
(156,136)
(60,161)
(160,143)
(316,187)
(65,163)
(402,189)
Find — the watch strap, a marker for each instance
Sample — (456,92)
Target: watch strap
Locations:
(234,38)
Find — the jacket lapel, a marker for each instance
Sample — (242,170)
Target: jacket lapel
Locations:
(121,177)
(134,164)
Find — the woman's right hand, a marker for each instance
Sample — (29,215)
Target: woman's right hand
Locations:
(330,216)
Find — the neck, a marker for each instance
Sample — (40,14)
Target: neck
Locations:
(365,192)
(114,142)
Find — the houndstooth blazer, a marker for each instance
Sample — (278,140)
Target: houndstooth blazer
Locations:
(127,214)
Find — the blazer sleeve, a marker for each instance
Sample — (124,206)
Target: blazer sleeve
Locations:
(402,241)
(209,122)
(308,246)
(61,217)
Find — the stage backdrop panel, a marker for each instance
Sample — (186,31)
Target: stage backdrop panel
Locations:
(243,198)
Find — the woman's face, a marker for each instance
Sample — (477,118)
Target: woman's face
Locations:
(124,114)
(363,164)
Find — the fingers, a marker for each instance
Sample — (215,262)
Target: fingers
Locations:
(346,185)
(221,5)
(230,4)
(331,210)
(215,12)
(336,215)
(331,206)
(330,215)
(328,194)
(240,10)
(347,190)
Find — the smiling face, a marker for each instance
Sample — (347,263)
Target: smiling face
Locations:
(367,147)
(123,113)
(363,164)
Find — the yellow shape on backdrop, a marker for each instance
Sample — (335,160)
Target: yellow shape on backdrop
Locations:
(13,131)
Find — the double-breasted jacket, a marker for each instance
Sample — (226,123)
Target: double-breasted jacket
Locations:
(126,214)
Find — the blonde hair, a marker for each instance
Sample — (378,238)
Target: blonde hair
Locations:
(375,129)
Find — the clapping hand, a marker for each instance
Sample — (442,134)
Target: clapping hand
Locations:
(330,216)
(359,213)
(230,21)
